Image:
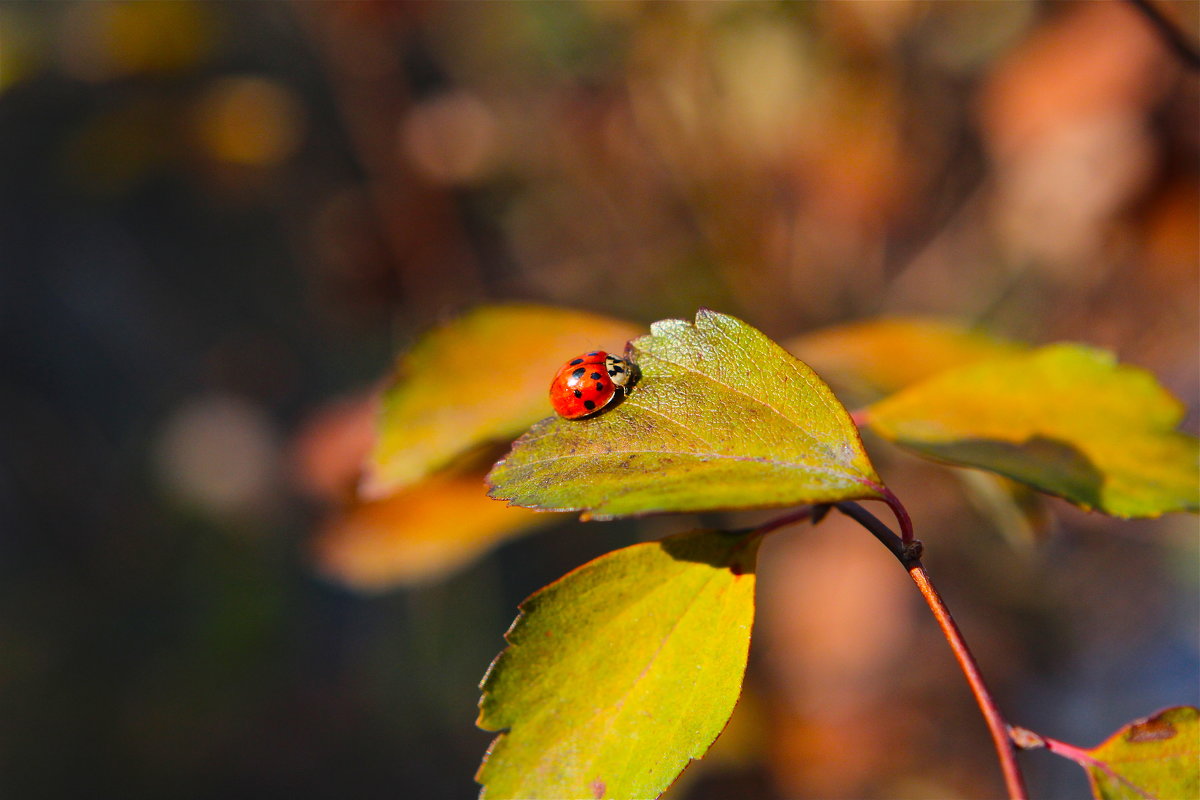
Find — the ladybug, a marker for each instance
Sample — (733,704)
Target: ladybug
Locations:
(587,383)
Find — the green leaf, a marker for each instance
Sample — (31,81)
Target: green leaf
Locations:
(622,671)
(1157,757)
(480,378)
(1065,419)
(721,417)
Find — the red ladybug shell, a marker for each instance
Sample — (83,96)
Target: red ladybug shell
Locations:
(587,383)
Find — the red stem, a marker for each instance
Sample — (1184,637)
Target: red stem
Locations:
(799,515)
(909,554)
(997,726)
(1079,756)
(859,418)
(906,526)
(898,509)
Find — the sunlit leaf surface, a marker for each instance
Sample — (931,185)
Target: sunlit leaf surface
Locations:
(721,417)
(483,377)
(621,672)
(1157,757)
(1065,419)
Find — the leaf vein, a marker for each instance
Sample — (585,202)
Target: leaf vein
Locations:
(791,362)
(792,423)
(674,422)
(620,702)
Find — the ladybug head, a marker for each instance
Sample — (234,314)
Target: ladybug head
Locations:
(619,370)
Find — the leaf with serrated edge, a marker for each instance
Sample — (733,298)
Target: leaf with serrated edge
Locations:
(622,671)
(479,378)
(1065,419)
(721,417)
(1156,757)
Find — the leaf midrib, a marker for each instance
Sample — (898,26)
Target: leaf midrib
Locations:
(613,709)
(816,388)
(855,477)
(691,608)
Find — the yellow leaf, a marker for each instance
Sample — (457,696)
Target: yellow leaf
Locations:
(433,527)
(721,417)
(484,377)
(1064,419)
(621,672)
(881,356)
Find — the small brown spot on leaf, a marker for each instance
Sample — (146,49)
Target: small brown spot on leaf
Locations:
(1151,730)
(598,788)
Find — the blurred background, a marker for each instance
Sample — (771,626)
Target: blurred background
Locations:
(221,222)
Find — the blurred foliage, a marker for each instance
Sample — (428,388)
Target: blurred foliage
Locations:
(421,533)
(217,217)
(867,360)
(479,379)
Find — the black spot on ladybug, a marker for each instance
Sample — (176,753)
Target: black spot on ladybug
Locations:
(589,405)
(578,373)
(594,353)
(596,376)
(578,393)
(576,361)
(599,386)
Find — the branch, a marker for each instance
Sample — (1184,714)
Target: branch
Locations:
(909,555)
(881,532)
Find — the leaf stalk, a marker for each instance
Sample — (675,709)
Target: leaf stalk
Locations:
(1026,739)
(799,515)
